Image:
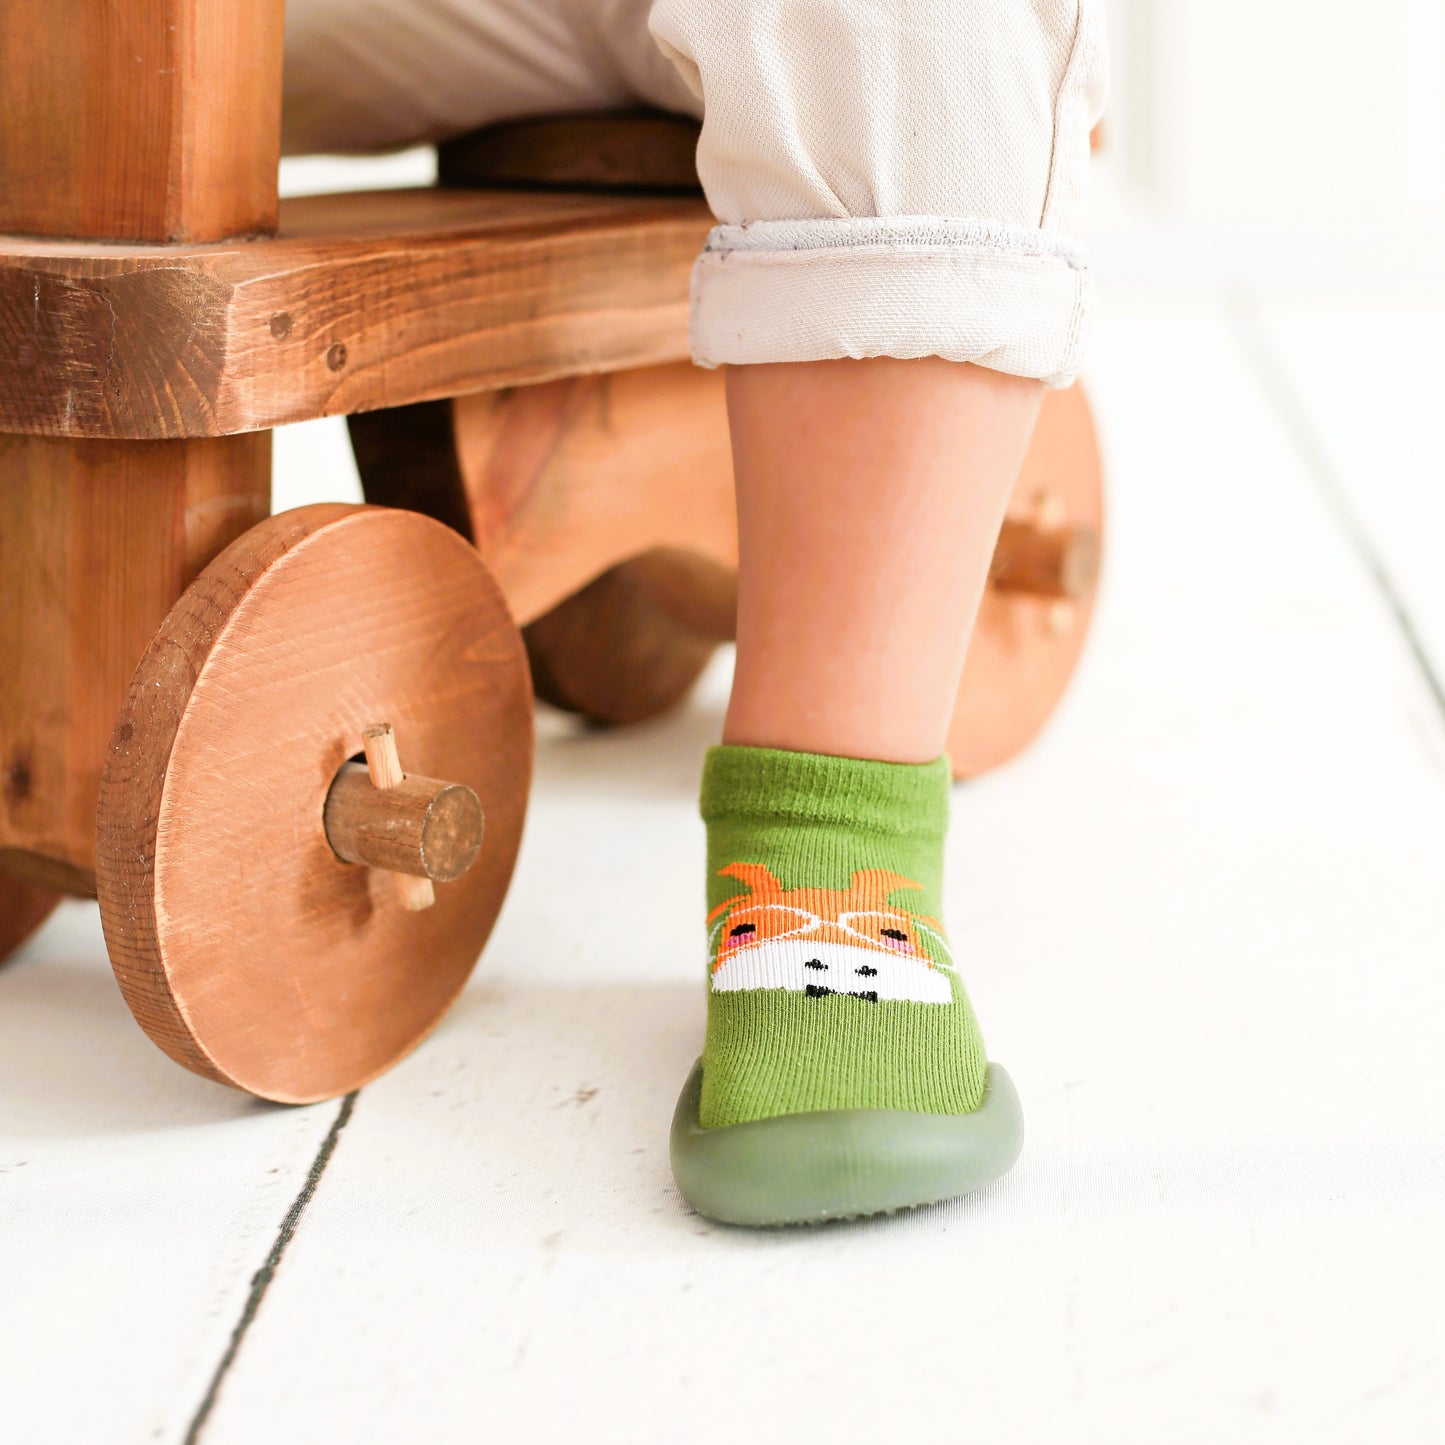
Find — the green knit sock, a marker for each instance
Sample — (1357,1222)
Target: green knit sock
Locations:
(831,984)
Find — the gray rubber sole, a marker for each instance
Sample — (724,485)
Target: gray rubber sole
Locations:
(841,1163)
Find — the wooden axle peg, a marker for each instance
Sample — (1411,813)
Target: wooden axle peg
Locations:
(416,828)
(421,826)
(1057,562)
(384,767)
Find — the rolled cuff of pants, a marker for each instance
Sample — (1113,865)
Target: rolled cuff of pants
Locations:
(1004,297)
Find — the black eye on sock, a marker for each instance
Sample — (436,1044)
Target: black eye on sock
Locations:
(895,933)
(867,971)
(743,928)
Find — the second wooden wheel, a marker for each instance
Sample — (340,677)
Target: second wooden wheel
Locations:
(246,948)
(1039,601)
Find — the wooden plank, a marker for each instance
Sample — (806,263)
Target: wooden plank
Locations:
(1201,922)
(97,540)
(567,480)
(362,301)
(145,120)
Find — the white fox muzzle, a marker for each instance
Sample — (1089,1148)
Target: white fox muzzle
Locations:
(819,968)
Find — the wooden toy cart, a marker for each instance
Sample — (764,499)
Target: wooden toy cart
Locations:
(206,711)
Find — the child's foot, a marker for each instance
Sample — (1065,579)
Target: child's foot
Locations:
(843,1072)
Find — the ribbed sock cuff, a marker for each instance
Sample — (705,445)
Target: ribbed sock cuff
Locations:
(904,799)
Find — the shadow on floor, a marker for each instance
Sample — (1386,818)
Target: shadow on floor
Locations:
(74,1064)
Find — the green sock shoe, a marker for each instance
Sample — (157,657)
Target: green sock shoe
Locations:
(834,1003)
(831,983)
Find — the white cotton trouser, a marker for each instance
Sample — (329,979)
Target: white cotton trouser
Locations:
(891,177)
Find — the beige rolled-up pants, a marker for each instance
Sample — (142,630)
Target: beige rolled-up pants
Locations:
(891,177)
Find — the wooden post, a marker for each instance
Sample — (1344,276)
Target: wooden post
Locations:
(140,120)
(97,540)
(154,120)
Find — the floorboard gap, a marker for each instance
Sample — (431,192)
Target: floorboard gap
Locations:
(1279,388)
(261,1280)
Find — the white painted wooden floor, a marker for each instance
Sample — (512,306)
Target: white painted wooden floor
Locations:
(1205,928)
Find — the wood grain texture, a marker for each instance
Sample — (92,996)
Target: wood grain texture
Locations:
(147,120)
(97,540)
(564,481)
(246,949)
(362,301)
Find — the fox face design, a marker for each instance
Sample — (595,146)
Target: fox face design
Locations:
(821,941)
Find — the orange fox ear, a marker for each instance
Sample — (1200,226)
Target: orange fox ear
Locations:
(880,882)
(758,878)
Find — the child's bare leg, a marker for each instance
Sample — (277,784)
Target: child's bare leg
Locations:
(839,1033)
(894,179)
(870,495)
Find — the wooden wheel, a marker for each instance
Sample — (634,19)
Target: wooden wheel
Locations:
(1036,610)
(631,644)
(246,948)
(23,909)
